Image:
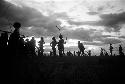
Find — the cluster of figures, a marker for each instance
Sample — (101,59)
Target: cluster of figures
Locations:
(105,53)
(16,45)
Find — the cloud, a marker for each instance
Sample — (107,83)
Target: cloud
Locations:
(107,20)
(27,16)
(92,13)
(123,37)
(111,40)
(93,43)
(79,34)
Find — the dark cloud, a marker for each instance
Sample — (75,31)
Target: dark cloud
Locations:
(80,34)
(103,41)
(113,20)
(93,43)
(27,17)
(123,37)
(92,13)
(91,37)
(111,40)
(107,20)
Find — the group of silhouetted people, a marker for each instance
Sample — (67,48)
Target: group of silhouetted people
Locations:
(15,45)
(103,52)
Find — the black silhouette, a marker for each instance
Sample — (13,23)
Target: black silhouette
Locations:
(27,46)
(53,45)
(121,51)
(32,45)
(111,49)
(13,43)
(61,45)
(41,50)
(81,48)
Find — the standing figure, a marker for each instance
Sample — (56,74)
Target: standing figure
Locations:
(81,48)
(61,45)
(41,50)
(13,43)
(53,45)
(111,49)
(121,51)
(32,45)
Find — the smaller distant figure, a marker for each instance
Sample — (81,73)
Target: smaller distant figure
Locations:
(41,50)
(21,45)
(111,49)
(32,45)
(78,53)
(89,53)
(102,53)
(81,48)
(53,45)
(121,51)
(74,53)
(61,45)
(27,46)
(105,53)
(69,53)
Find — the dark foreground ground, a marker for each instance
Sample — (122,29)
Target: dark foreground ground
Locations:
(69,70)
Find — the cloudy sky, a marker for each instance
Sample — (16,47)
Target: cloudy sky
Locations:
(96,23)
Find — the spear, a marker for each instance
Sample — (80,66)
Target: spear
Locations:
(59,30)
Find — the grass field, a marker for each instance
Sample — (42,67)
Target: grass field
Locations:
(70,70)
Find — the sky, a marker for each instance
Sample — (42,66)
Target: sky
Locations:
(96,23)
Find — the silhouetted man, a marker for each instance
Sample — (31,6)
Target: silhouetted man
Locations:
(81,48)
(13,42)
(41,50)
(111,49)
(53,45)
(32,45)
(61,45)
(121,51)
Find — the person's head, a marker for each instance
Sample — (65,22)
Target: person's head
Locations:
(78,41)
(16,25)
(53,38)
(41,38)
(110,44)
(33,38)
(60,36)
